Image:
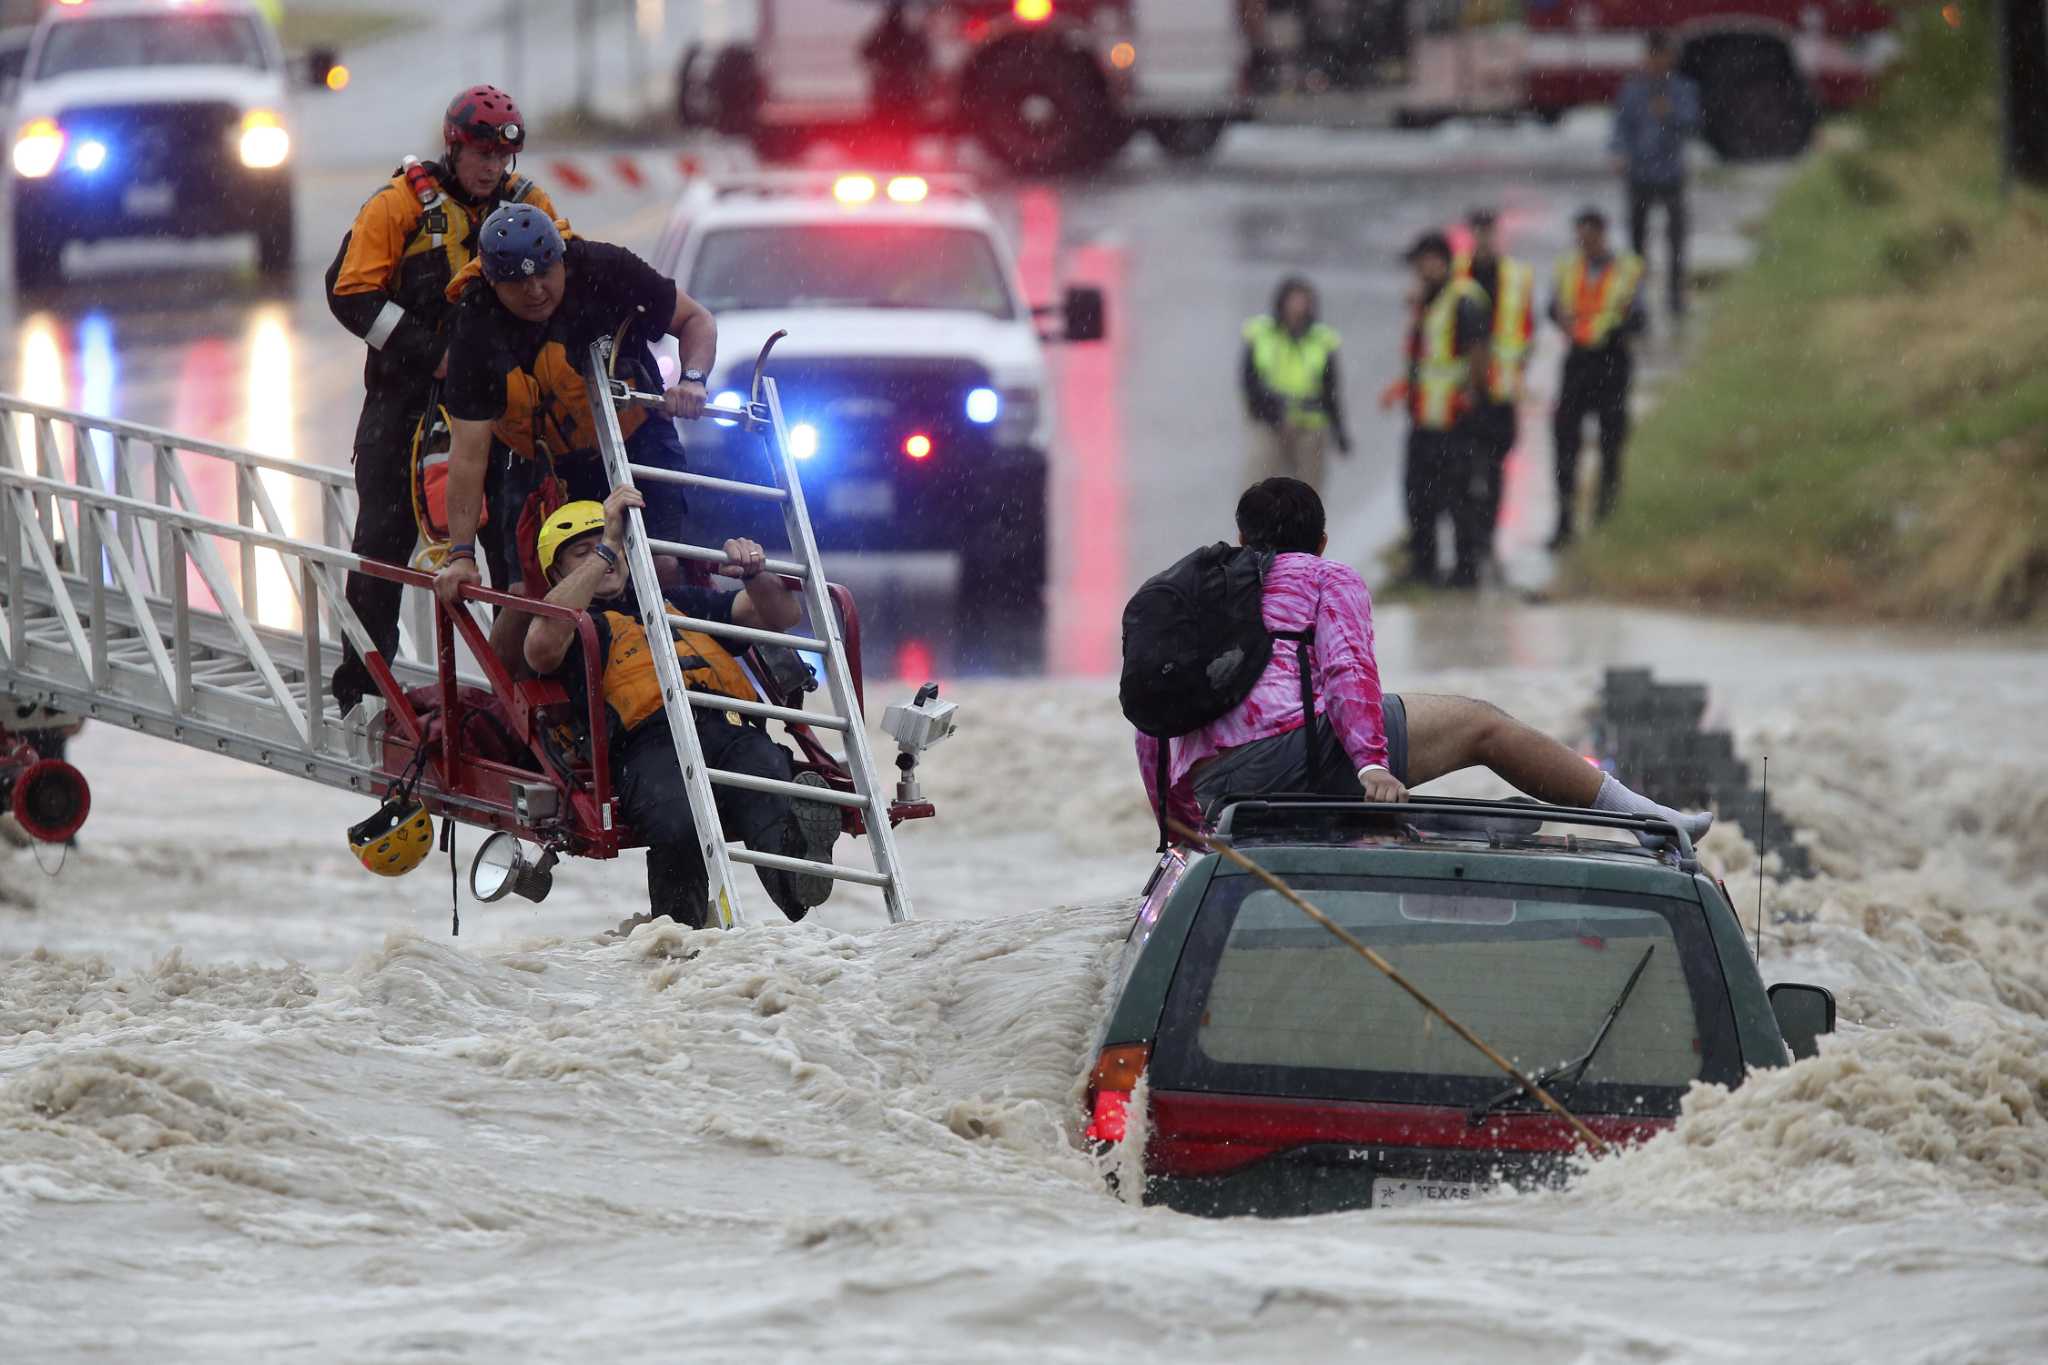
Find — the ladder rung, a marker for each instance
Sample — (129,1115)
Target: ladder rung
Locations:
(720,630)
(699,553)
(798,791)
(655,474)
(711,701)
(740,854)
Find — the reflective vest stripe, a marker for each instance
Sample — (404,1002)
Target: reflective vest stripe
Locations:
(1293,368)
(1442,390)
(1598,300)
(1513,325)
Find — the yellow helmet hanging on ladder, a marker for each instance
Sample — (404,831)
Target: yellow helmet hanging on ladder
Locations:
(396,839)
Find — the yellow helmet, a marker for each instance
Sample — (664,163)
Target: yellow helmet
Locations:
(395,840)
(564,524)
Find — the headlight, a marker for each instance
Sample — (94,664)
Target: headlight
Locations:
(265,143)
(37,149)
(1017,420)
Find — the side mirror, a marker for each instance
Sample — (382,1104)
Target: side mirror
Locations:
(1081,315)
(1086,314)
(324,70)
(1804,1014)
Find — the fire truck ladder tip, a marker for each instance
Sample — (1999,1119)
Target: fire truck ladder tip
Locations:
(762,416)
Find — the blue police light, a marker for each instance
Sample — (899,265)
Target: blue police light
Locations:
(983,406)
(90,156)
(729,398)
(803,440)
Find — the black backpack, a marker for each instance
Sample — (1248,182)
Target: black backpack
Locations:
(1196,644)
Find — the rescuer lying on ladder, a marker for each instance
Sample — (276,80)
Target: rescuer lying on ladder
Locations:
(580,550)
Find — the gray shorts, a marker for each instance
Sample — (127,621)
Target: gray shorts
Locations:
(1280,764)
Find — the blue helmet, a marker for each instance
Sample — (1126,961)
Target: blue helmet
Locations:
(516,241)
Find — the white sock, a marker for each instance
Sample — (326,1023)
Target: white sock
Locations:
(1619,799)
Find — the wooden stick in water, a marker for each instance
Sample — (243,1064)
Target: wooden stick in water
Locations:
(1592,1139)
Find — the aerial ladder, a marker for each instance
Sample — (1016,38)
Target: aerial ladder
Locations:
(123,600)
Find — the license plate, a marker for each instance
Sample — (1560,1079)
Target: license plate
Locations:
(864,498)
(148,201)
(1406,1194)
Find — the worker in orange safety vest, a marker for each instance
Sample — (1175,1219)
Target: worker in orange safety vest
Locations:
(1510,287)
(1598,306)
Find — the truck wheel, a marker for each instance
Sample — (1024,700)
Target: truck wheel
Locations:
(1041,109)
(1756,104)
(276,240)
(1187,139)
(38,256)
(734,92)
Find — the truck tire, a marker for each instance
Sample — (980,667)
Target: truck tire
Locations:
(277,240)
(1756,104)
(1187,139)
(1042,109)
(734,91)
(38,256)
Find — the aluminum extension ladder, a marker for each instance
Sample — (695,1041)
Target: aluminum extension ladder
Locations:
(762,416)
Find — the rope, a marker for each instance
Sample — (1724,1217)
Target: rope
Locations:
(1592,1140)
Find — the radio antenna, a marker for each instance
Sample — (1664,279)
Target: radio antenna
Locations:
(1763,833)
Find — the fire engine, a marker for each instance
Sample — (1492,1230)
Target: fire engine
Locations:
(1061,85)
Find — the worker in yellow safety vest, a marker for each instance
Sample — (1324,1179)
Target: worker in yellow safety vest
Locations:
(1510,287)
(1291,389)
(1446,386)
(1598,306)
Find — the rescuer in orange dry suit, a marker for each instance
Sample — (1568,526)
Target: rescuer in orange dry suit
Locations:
(388,285)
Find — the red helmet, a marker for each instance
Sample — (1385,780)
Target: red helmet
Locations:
(483,116)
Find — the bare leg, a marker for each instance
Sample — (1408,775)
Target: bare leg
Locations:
(1447,734)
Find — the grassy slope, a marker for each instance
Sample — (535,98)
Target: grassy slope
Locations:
(1865,428)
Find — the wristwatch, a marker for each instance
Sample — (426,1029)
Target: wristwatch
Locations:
(693,376)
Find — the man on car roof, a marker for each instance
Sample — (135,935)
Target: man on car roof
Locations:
(1367,744)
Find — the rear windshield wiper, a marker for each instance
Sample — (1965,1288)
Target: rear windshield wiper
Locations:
(1570,1071)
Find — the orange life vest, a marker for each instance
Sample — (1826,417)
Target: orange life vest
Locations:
(632,687)
(1598,300)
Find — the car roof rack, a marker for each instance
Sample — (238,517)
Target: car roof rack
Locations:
(1503,822)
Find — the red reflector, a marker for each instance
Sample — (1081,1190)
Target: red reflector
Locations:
(1111,1118)
(917,445)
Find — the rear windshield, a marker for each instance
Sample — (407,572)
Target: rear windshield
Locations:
(850,266)
(182,39)
(1266,1001)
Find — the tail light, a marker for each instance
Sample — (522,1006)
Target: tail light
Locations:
(1110,1085)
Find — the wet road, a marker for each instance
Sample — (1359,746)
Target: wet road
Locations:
(1152,446)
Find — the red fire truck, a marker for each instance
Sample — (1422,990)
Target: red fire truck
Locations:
(1058,85)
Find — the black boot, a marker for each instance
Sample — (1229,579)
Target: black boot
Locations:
(809,833)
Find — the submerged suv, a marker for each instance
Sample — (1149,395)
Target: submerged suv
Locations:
(1287,1075)
(913,377)
(152,118)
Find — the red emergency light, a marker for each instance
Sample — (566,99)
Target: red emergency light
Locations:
(917,445)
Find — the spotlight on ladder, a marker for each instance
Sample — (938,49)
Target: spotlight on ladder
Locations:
(47,797)
(916,728)
(501,869)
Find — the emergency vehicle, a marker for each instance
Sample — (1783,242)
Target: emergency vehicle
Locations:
(152,118)
(919,403)
(1060,85)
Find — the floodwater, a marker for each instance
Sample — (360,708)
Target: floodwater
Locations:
(255,1105)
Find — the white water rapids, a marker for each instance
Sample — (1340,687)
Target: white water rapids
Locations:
(257,1106)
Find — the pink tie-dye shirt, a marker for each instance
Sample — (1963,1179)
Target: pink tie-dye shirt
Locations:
(1299,587)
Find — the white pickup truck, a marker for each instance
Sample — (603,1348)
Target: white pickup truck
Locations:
(913,377)
(151,118)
